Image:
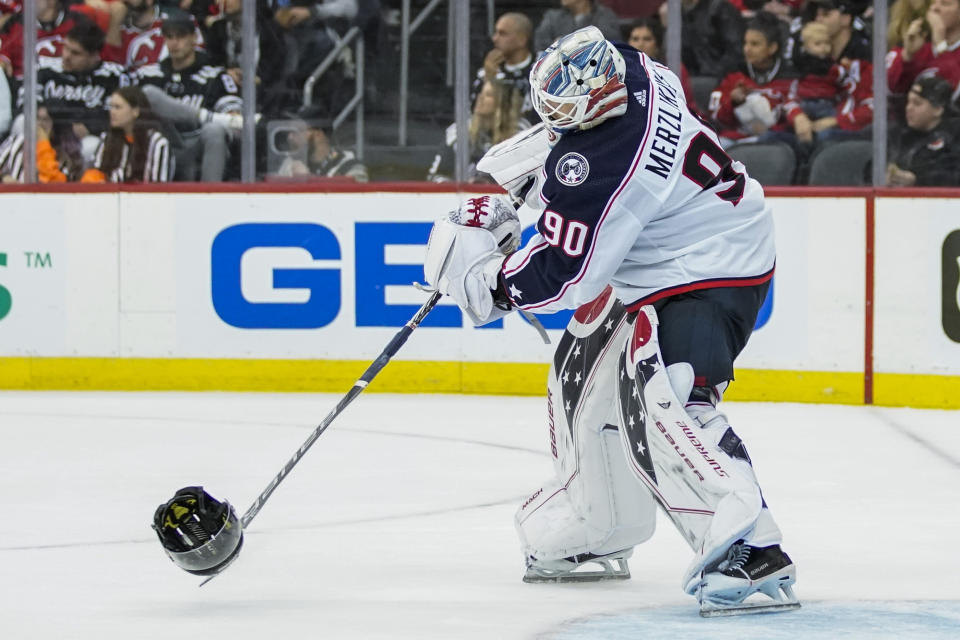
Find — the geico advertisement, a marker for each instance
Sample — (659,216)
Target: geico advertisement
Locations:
(331,277)
(32,272)
(327,276)
(918,286)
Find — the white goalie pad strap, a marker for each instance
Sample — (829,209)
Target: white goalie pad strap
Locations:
(519,159)
(712,498)
(463,262)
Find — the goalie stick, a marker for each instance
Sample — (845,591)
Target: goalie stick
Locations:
(361,384)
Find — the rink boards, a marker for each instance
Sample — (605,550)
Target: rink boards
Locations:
(293,289)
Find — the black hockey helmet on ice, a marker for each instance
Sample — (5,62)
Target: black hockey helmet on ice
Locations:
(200,534)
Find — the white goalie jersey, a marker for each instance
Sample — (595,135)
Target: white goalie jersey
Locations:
(647,202)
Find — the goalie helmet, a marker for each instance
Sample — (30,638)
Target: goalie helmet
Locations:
(200,534)
(578,82)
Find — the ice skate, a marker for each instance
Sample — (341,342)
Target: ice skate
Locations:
(766,571)
(585,567)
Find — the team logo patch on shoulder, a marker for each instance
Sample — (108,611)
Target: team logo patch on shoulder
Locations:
(572,169)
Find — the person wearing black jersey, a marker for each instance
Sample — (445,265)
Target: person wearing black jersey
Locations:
(75,86)
(201,99)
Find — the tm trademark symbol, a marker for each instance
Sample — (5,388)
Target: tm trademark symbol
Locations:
(38,260)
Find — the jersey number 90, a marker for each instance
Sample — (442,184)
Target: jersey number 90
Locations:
(569,235)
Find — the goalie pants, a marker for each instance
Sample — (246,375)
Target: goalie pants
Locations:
(708,329)
(596,504)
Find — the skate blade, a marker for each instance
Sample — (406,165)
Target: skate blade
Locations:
(781,598)
(580,576)
(616,569)
(746,609)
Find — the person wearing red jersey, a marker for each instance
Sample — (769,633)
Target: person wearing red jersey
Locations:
(937,52)
(136,40)
(53,23)
(829,100)
(7,10)
(749,100)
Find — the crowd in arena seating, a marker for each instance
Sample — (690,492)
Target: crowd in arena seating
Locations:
(151,90)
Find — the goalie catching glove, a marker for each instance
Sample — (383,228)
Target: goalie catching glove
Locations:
(465,252)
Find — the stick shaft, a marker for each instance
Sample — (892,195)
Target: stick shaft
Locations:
(361,384)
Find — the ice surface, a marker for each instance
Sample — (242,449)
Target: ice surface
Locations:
(398,523)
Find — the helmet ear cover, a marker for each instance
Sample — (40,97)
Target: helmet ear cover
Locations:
(200,534)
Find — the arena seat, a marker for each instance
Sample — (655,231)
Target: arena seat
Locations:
(841,163)
(702,87)
(770,163)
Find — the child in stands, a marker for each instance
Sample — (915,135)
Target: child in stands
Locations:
(829,100)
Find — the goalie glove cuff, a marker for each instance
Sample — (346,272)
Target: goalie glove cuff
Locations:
(464,263)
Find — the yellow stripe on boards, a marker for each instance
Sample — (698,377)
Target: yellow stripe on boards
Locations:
(916,390)
(400,376)
(767,385)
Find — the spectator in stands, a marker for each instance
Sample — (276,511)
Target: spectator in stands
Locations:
(202,100)
(308,31)
(133,150)
(926,152)
(203,11)
(748,101)
(903,13)
(54,22)
(573,15)
(225,48)
(136,38)
(848,35)
(830,100)
(934,51)
(712,36)
(314,152)
(58,153)
(509,61)
(7,10)
(496,116)
(646,34)
(75,87)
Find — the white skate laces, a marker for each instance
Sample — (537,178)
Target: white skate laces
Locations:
(737,556)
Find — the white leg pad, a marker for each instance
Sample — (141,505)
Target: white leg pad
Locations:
(714,425)
(600,510)
(712,499)
(594,505)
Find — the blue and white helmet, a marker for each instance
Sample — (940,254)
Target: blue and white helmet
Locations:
(578,82)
